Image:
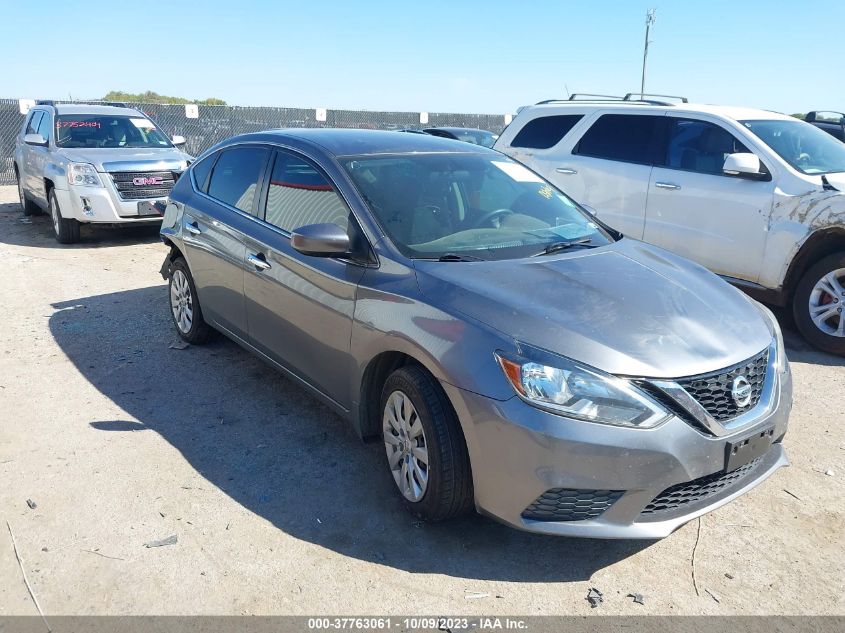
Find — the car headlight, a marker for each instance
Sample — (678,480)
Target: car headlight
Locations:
(83,174)
(576,391)
(781,362)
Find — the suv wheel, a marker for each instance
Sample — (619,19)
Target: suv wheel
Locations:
(426,452)
(184,305)
(67,230)
(819,304)
(27,205)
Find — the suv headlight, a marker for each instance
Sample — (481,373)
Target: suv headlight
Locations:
(576,391)
(83,174)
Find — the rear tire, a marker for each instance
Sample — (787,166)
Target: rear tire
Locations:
(447,491)
(185,307)
(27,206)
(66,230)
(819,304)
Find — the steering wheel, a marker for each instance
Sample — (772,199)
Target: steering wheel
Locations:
(490,215)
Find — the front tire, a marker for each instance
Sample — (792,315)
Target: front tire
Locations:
(426,451)
(185,306)
(66,230)
(818,304)
(27,206)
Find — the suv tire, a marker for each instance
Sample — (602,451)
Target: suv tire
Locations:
(447,491)
(185,307)
(66,230)
(27,205)
(822,285)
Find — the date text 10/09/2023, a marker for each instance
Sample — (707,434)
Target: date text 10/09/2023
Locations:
(422,623)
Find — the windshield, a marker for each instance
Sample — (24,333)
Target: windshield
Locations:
(95,131)
(471,205)
(807,148)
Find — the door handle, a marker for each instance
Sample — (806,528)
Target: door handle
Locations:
(667,185)
(193,228)
(259,261)
(566,170)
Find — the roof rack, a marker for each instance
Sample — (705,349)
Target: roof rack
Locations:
(630,95)
(577,96)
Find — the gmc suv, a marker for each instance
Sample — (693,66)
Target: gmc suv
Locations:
(754,196)
(94,164)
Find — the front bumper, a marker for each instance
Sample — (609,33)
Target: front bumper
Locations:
(519,452)
(102,205)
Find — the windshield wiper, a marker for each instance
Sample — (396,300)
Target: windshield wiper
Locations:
(556,247)
(458,257)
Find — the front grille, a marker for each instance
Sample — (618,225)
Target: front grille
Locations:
(562,504)
(124,182)
(713,391)
(690,492)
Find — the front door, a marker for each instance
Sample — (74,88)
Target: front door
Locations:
(696,211)
(299,307)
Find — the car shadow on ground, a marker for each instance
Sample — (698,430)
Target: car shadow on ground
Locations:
(282,455)
(37,231)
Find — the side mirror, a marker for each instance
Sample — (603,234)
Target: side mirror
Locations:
(744,165)
(179,140)
(321,240)
(35,139)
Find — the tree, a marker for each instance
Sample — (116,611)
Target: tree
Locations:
(153,97)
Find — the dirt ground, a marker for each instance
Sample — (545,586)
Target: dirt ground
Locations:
(118,439)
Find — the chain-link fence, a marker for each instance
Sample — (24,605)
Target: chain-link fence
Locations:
(215,123)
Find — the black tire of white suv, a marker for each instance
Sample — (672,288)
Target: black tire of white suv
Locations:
(67,230)
(27,205)
(820,293)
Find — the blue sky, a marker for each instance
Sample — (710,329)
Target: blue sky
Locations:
(433,55)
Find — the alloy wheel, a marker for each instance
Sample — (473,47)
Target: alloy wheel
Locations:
(21,194)
(406,446)
(54,213)
(181,301)
(826,302)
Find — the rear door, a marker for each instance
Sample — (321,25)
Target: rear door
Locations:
(30,177)
(300,307)
(696,211)
(214,223)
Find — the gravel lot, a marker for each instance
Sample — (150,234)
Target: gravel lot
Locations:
(120,440)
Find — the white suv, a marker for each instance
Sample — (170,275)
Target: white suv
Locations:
(754,196)
(94,164)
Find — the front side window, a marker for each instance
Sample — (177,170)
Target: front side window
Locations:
(700,146)
(629,138)
(235,177)
(98,131)
(34,120)
(545,131)
(469,205)
(44,126)
(805,147)
(300,195)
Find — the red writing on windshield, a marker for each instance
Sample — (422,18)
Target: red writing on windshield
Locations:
(62,124)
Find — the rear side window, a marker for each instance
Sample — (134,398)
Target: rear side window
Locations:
(546,131)
(32,128)
(201,171)
(300,195)
(624,137)
(235,177)
(700,146)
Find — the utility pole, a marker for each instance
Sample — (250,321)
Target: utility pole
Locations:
(649,20)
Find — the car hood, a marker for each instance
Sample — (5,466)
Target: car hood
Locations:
(130,159)
(627,308)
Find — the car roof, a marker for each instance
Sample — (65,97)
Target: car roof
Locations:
(460,129)
(352,142)
(730,112)
(79,108)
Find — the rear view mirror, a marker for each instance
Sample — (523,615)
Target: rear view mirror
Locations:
(744,165)
(35,139)
(321,240)
(179,140)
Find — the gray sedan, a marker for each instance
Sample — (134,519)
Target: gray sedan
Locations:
(512,353)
